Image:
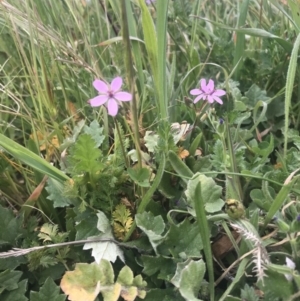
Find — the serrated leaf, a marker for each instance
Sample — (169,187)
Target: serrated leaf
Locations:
(9,280)
(122,221)
(86,281)
(217,155)
(152,226)
(188,278)
(249,294)
(210,193)
(182,240)
(104,250)
(49,291)
(48,231)
(95,131)
(17,294)
(85,156)
(55,190)
(164,265)
(10,225)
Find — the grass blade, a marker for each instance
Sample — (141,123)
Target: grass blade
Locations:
(31,159)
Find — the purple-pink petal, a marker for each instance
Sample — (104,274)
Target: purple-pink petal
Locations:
(100,86)
(210,98)
(116,84)
(196,92)
(123,96)
(207,92)
(112,107)
(98,100)
(219,92)
(210,86)
(203,85)
(217,99)
(199,98)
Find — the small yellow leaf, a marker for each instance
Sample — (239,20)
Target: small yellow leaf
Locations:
(122,221)
(114,294)
(142,294)
(130,293)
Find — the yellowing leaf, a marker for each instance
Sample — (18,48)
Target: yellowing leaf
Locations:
(122,221)
(47,232)
(86,281)
(114,294)
(130,294)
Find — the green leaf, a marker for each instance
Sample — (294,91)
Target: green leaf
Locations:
(254,95)
(273,283)
(182,170)
(16,294)
(55,272)
(194,192)
(95,131)
(164,265)
(87,228)
(104,250)
(264,148)
(182,240)
(151,141)
(168,294)
(260,199)
(280,198)
(55,190)
(11,263)
(9,280)
(140,176)
(12,226)
(85,157)
(210,194)
(188,278)
(125,276)
(49,291)
(152,226)
(217,155)
(249,294)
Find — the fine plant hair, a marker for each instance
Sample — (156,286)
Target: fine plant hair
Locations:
(260,254)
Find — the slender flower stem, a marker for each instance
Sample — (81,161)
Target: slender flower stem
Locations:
(121,142)
(131,81)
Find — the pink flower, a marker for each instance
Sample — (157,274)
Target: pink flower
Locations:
(110,95)
(208,92)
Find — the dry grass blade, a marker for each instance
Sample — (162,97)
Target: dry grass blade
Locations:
(15,252)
